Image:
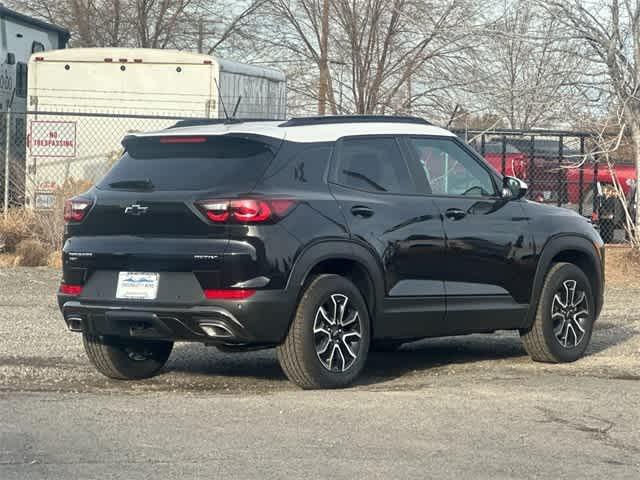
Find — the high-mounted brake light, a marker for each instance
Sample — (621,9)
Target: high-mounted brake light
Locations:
(228,294)
(39,59)
(72,290)
(174,140)
(249,210)
(75,209)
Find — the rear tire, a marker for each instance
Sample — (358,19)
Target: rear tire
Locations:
(124,359)
(564,320)
(328,340)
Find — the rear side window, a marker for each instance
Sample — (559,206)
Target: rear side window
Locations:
(374,165)
(214,162)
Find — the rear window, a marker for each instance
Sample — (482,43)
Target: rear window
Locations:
(206,163)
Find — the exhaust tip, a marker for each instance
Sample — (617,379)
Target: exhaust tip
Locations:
(74,324)
(216,330)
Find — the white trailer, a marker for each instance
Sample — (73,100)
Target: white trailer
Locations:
(84,101)
(20,36)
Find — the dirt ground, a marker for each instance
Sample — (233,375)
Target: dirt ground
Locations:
(466,407)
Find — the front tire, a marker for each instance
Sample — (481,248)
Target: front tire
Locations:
(124,359)
(328,340)
(564,319)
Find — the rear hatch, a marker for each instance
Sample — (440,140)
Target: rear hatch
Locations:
(144,214)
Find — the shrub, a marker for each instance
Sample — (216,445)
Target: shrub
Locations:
(38,234)
(31,253)
(17,227)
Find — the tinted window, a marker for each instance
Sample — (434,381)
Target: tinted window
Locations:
(299,165)
(450,170)
(375,165)
(217,162)
(37,47)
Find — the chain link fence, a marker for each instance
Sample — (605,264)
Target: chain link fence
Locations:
(47,156)
(563,168)
(52,155)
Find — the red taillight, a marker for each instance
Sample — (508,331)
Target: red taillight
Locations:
(246,210)
(229,294)
(75,209)
(250,210)
(73,290)
(174,140)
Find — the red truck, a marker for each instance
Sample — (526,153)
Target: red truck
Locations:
(555,178)
(551,179)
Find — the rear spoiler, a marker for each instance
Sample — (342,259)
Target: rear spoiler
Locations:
(197,145)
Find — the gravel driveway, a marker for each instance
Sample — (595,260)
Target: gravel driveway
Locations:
(470,407)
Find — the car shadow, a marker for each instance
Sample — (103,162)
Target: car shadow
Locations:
(423,355)
(430,354)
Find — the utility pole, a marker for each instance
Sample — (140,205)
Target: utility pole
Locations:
(324,59)
(200,35)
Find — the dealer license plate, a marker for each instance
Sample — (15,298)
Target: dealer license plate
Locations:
(138,285)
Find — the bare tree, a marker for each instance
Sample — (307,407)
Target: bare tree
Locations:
(374,56)
(144,23)
(609,31)
(524,74)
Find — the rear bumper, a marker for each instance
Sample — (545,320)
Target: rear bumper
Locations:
(262,319)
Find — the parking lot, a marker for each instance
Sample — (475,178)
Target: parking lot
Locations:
(467,407)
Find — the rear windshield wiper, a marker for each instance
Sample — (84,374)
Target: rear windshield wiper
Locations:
(144,184)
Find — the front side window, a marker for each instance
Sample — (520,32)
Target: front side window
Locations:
(374,165)
(450,170)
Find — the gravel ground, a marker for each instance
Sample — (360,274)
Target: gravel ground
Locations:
(472,406)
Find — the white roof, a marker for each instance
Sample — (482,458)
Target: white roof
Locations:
(147,55)
(305,133)
(157,56)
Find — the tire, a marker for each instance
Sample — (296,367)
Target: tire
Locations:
(549,339)
(316,354)
(385,347)
(124,359)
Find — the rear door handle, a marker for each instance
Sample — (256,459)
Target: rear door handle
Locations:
(361,211)
(455,214)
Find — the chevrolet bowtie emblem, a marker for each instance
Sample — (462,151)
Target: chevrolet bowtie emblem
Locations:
(135,209)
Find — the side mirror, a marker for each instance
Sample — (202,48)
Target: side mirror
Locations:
(513,188)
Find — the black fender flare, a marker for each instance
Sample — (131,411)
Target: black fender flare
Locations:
(320,251)
(553,247)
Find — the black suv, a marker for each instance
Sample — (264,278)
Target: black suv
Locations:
(323,237)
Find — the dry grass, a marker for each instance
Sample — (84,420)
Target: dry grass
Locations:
(31,253)
(17,227)
(622,266)
(42,230)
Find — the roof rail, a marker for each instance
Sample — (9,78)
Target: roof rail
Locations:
(329,119)
(195,122)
